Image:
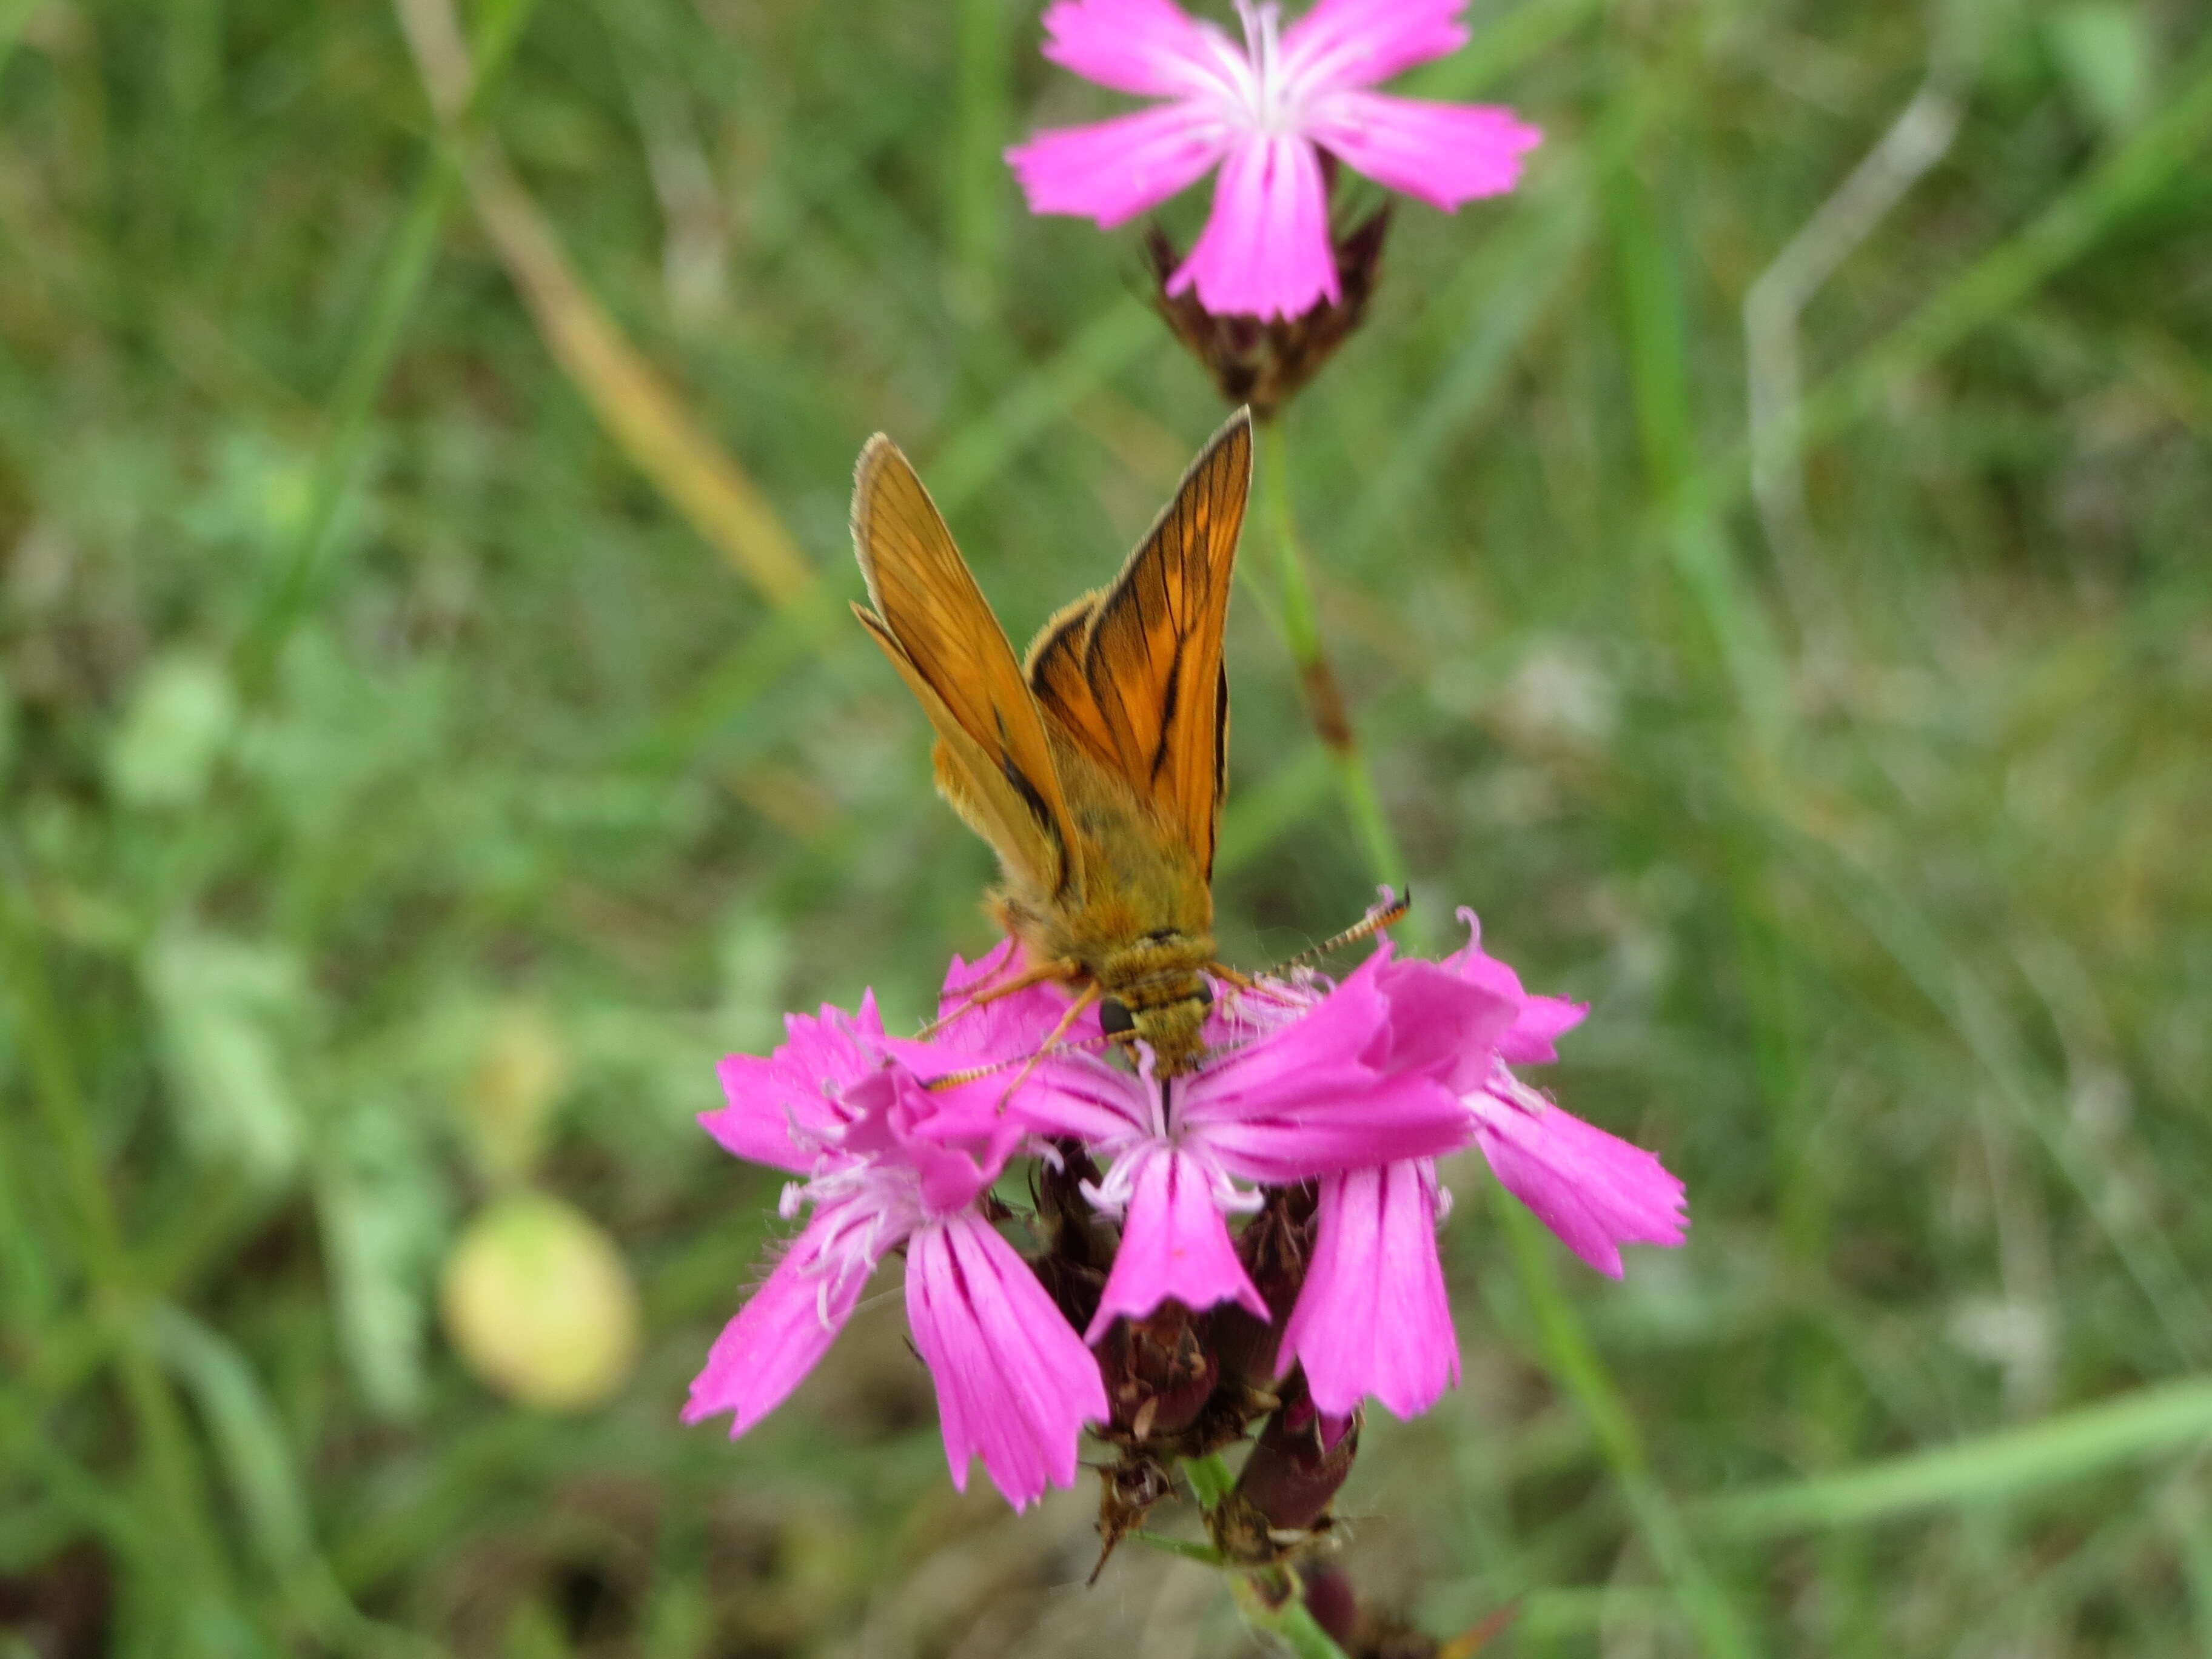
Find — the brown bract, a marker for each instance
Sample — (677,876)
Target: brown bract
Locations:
(1265,363)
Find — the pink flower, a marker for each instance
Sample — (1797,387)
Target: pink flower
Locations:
(1351,1079)
(1014,1384)
(1371,1316)
(1263,113)
(783,1109)
(1595,1190)
(1007,1028)
(1356,1086)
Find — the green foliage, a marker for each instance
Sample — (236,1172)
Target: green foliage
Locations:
(354,682)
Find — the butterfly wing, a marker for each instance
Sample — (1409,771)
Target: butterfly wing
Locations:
(1134,673)
(993,761)
(1055,670)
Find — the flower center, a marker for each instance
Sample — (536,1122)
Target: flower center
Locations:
(1266,93)
(875,1206)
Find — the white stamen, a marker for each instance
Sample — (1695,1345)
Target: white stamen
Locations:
(1504,1083)
(1263,82)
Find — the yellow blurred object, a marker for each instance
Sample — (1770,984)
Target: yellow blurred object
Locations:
(540,1306)
(507,1098)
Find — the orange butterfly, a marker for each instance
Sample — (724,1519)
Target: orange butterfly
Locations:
(1094,768)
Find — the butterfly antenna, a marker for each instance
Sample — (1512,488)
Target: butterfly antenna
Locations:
(1383,916)
(954,1079)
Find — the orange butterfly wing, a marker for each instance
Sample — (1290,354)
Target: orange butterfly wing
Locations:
(994,760)
(1134,673)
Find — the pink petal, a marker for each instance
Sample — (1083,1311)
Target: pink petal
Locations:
(1094,1102)
(1595,1190)
(778,1334)
(1240,1014)
(1265,250)
(1014,1383)
(893,1129)
(1068,1091)
(1341,1121)
(962,978)
(1307,1099)
(1146,46)
(1442,1024)
(781,1109)
(1542,1021)
(1111,170)
(1538,1022)
(1077,1095)
(757,1124)
(1174,1244)
(1372,1317)
(1010,1027)
(1342,44)
(1441,153)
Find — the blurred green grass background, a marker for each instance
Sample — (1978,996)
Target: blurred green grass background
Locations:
(409,725)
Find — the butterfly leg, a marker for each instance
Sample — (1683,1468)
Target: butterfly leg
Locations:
(1222,971)
(1089,994)
(1059,971)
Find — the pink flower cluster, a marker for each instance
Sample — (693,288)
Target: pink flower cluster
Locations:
(1357,1087)
(1266,112)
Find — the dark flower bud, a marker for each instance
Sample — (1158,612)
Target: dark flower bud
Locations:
(1273,1246)
(1078,1247)
(1329,1598)
(1073,1229)
(1280,1504)
(1303,1457)
(1160,1373)
(1364,1632)
(1265,363)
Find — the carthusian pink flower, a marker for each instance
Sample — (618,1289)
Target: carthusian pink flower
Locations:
(1263,112)
(1371,1317)
(1346,1080)
(1014,1384)
(1596,1191)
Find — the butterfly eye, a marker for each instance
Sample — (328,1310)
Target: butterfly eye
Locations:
(1114,1017)
(1205,994)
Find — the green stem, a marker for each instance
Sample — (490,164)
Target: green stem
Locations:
(1270,1601)
(1205,1554)
(1300,625)
(984,40)
(163,1440)
(1210,1478)
(399,285)
(1575,1362)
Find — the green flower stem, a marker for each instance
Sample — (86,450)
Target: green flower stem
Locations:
(1722,1632)
(1300,626)
(1205,1554)
(1270,1601)
(1209,1478)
